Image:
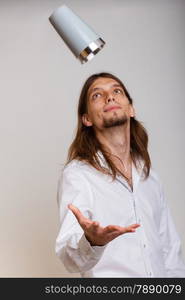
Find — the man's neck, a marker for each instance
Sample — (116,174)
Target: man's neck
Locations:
(116,141)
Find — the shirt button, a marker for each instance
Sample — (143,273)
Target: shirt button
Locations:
(144,245)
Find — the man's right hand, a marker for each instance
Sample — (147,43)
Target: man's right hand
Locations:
(97,235)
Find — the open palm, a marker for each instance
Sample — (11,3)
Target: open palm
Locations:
(96,234)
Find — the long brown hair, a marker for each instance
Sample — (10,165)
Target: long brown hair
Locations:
(86,145)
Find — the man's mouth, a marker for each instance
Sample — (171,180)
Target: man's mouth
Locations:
(111,108)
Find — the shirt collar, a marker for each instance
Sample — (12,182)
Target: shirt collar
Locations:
(137,172)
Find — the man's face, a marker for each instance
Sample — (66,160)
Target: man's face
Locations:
(108,105)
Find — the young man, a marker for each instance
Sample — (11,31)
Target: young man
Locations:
(114,219)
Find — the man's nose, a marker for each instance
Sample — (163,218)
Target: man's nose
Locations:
(110,98)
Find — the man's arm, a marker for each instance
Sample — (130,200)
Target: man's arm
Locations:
(81,240)
(72,247)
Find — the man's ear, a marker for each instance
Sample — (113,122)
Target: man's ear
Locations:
(86,120)
(132,111)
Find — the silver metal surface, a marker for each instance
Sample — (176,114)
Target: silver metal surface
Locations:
(89,52)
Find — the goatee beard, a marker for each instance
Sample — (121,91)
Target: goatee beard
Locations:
(114,122)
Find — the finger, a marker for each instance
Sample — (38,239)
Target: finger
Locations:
(84,222)
(94,227)
(133,227)
(130,228)
(110,229)
(77,213)
(122,230)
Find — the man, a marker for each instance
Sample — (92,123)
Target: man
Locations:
(114,219)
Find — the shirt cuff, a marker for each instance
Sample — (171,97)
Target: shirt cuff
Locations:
(85,246)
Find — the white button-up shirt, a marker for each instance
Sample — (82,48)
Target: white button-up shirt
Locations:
(153,250)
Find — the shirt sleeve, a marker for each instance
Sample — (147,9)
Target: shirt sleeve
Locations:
(72,247)
(172,251)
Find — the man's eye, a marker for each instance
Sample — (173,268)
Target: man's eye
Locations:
(96,95)
(118,91)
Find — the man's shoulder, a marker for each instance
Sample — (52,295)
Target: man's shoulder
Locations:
(75,166)
(74,163)
(71,171)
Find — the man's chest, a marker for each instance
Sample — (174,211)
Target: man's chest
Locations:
(114,202)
